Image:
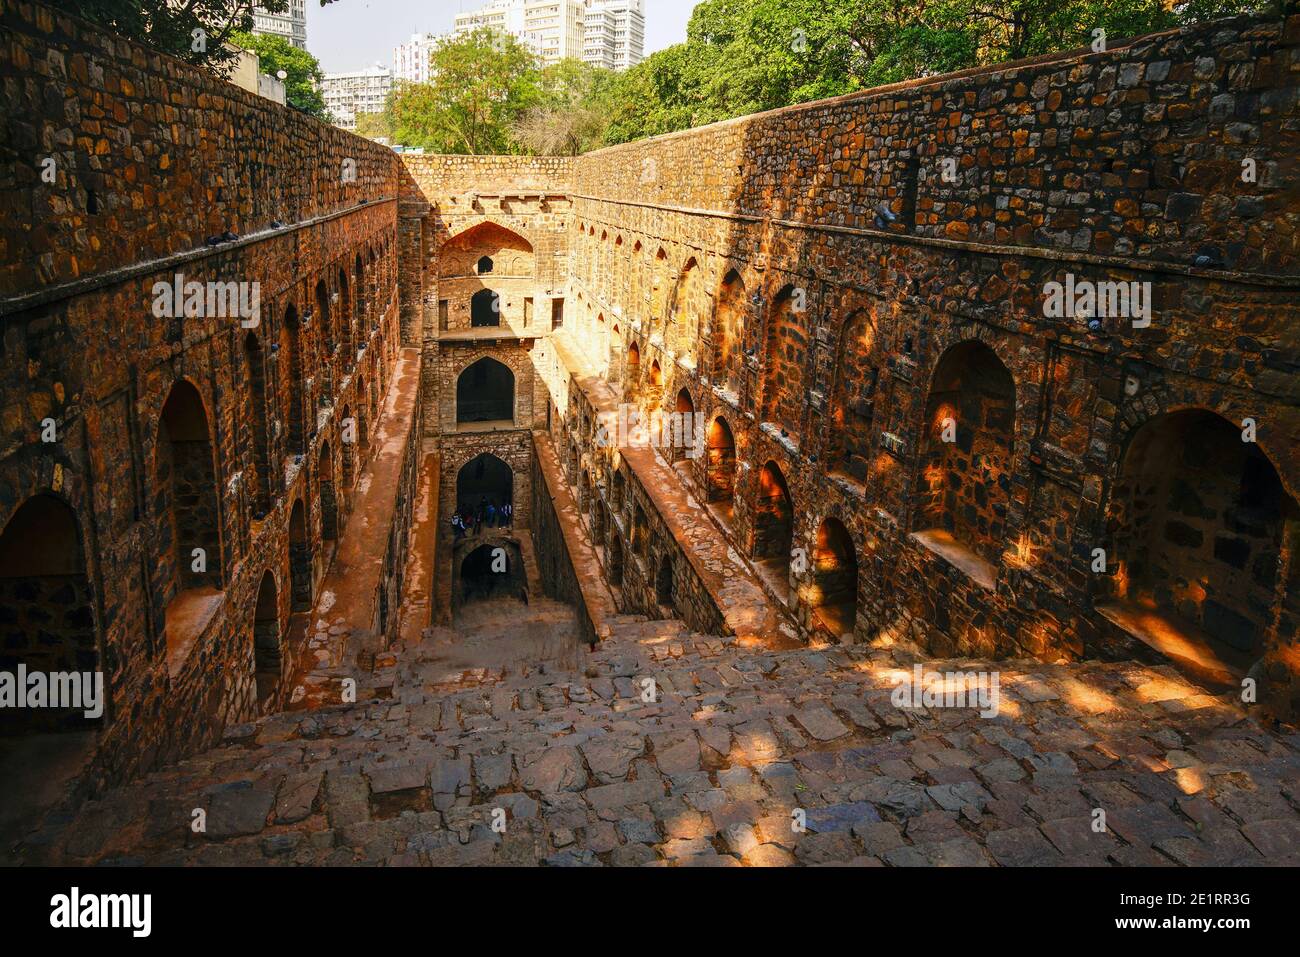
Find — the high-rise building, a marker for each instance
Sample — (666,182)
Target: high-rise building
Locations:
(361,91)
(553,29)
(614,33)
(411,60)
(292,24)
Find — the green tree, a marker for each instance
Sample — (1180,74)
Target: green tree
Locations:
(744,56)
(482,84)
(170,27)
(302,70)
(374,125)
(567,117)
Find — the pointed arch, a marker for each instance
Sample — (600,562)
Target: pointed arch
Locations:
(728,332)
(485,392)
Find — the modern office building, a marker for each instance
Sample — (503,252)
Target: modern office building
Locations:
(411,59)
(614,33)
(361,91)
(291,24)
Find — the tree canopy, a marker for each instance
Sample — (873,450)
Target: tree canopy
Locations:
(195,31)
(302,70)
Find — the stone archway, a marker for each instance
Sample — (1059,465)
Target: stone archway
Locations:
(482,481)
(833,596)
(268,642)
(485,392)
(1198,522)
(47,624)
(300,558)
(720,462)
(966,457)
(773,520)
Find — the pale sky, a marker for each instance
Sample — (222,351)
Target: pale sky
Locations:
(352,34)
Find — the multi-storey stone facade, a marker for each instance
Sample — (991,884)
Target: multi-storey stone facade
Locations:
(893,435)
(830,286)
(184,469)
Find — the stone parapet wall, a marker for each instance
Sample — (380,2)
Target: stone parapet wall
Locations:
(132,132)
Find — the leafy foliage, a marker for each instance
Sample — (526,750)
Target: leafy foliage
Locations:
(303,73)
(482,84)
(170,27)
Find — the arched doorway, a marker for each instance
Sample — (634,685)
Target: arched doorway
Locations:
(268,650)
(483,481)
(493,570)
(966,459)
(633,369)
(485,308)
(728,332)
(300,570)
(615,558)
(291,348)
(1199,519)
(773,526)
(683,427)
(485,392)
(784,356)
(260,499)
(834,592)
(720,464)
(47,623)
(664,585)
(187,517)
(329,511)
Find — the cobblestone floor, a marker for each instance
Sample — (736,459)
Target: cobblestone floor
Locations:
(737,745)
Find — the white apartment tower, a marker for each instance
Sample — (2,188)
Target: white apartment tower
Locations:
(614,33)
(411,60)
(553,29)
(362,91)
(292,24)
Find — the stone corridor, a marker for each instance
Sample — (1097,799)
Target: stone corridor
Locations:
(583,770)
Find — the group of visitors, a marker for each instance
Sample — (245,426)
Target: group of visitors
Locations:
(471,521)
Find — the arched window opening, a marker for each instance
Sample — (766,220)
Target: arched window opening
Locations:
(966,460)
(483,485)
(720,463)
(850,440)
(1199,521)
(728,333)
(485,308)
(773,526)
(268,650)
(295,418)
(682,430)
(261,479)
(300,559)
(834,592)
(484,265)
(785,353)
(329,511)
(485,392)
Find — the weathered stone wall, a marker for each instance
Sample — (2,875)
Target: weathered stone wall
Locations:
(1163,162)
(152,158)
